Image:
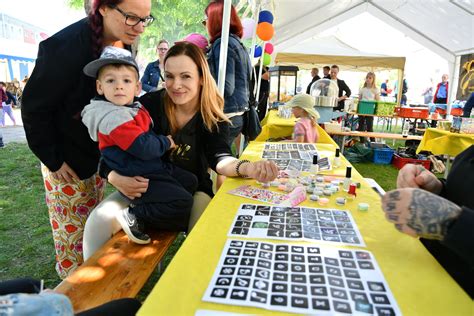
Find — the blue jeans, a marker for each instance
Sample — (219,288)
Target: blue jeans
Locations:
(235,129)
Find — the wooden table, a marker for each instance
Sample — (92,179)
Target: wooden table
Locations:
(374,135)
(420,285)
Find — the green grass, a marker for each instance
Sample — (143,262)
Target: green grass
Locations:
(26,245)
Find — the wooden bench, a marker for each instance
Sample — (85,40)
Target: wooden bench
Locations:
(117,270)
(372,134)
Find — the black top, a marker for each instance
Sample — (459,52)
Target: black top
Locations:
(315,78)
(197,148)
(54,97)
(341,84)
(456,252)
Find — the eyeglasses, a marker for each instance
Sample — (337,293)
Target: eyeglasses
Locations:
(133,20)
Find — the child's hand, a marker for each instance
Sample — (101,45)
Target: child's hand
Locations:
(172,144)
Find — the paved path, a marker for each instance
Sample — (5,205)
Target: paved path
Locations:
(13,133)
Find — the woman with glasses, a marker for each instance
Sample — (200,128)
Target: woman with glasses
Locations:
(153,76)
(53,99)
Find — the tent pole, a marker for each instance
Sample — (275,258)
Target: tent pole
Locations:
(224,45)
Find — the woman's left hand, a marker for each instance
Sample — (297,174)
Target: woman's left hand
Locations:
(262,171)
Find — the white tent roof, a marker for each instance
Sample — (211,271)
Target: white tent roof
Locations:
(446,27)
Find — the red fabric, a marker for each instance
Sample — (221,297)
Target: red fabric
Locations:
(436,92)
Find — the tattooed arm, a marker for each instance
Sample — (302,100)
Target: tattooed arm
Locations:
(415,176)
(419,213)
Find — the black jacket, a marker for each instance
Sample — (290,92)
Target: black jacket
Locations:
(456,251)
(341,84)
(54,97)
(315,78)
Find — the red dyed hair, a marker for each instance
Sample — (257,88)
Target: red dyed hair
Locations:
(96,23)
(214,12)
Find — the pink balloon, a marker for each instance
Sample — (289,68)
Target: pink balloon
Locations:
(269,48)
(249,28)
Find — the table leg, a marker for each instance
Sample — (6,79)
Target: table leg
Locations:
(343,142)
(448,166)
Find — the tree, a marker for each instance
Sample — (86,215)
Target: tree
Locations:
(174,19)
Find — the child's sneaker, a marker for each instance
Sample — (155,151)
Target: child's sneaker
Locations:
(132,227)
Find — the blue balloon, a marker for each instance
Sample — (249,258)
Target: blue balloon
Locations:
(265,16)
(258,51)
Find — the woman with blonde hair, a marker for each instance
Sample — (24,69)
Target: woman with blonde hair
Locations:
(368,92)
(191,110)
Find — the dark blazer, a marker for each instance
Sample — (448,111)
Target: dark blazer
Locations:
(342,88)
(315,78)
(54,97)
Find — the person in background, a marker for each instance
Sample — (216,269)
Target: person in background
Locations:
(384,88)
(326,72)
(305,130)
(428,93)
(3,102)
(368,92)
(314,74)
(439,211)
(26,297)
(122,126)
(153,76)
(403,99)
(197,39)
(262,104)
(468,106)
(344,91)
(8,106)
(238,68)
(53,99)
(442,90)
(191,110)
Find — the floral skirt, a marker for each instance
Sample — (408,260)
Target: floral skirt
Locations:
(69,205)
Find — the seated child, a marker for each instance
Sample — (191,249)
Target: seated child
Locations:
(122,126)
(305,130)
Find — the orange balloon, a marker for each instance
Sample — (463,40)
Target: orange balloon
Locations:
(265,31)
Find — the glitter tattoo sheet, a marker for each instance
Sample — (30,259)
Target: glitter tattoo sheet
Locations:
(294,156)
(296,223)
(305,279)
(258,194)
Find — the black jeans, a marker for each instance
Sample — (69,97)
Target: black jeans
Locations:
(366,123)
(168,201)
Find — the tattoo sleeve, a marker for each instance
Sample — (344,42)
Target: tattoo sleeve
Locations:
(430,215)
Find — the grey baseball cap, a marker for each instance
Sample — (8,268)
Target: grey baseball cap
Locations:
(110,55)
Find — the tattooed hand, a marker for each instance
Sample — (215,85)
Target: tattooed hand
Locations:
(419,213)
(415,176)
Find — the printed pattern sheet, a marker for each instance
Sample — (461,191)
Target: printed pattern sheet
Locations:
(307,279)
(296,223)
(297,156)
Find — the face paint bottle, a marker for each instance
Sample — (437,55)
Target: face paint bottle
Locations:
(347,179)
(315,166)
(337,160)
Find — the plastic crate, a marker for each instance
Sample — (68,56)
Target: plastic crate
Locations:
(399,162)
(382,155)
(385,108)
(457,112)
(366,107)
(422,113)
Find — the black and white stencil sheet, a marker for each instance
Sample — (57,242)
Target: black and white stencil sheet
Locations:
(296,223)
(297,156)
(308,279)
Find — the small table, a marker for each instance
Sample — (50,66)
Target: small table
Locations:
(441,142)
(274,126)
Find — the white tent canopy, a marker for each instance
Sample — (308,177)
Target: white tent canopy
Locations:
(445,27)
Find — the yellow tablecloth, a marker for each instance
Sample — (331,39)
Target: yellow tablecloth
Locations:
(274,126)
(420,285)
(441,142)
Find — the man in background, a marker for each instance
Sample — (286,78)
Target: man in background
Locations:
(441,94)
(314,74)
(326,70)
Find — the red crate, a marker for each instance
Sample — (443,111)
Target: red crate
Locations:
(457,112)
(422,113)
(399,162)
